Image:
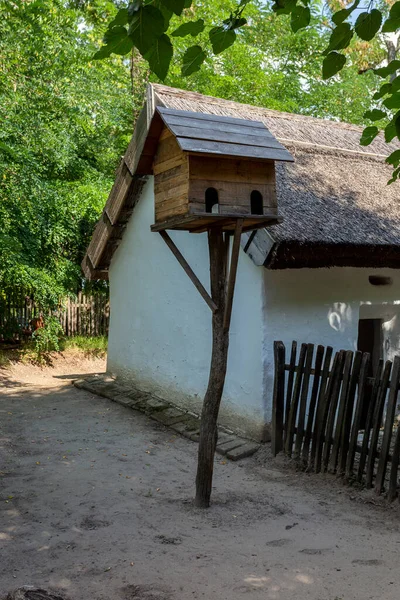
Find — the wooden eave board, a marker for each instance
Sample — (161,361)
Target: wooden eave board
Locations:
(224,136)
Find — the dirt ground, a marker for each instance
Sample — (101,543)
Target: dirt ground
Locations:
(96,503)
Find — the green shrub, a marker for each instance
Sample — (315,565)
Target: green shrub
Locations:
(47,338)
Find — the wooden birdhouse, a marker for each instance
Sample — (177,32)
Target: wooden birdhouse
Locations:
(211,169)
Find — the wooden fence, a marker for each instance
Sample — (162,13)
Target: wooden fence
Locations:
(82,315)
(330,416)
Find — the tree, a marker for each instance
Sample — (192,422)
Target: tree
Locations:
(150,26)
(66,119)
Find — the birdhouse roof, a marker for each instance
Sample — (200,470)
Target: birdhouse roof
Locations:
(220,135)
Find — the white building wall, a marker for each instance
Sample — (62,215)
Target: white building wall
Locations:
(323,306)
(160,327)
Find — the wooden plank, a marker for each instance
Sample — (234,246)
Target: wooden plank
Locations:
(233,193)
(340,390)
(171,194)
(278,399)
(313,400)
(289,388)
(180,114)
(377,420)
(295,401)
(388,428)
(232,273)
(368,423)
(166,150)
(394,470)
(176,124)
(263,138)
(116,199)
(303,401)
(188,270)
(332,388)
(168,164)
(231,169)
(171,174)
(226,149)
(362,382)
(320,404)
(346,416)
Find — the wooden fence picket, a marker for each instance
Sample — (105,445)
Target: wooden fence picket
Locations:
(318,414)
(369,420)
(85,315)
(347,416)
(320,407)
(313,402)
(303,401)
(388,428)
(357,417)
(377,420)
(295,401)
(278,399)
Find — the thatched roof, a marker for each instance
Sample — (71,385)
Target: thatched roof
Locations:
(335,201)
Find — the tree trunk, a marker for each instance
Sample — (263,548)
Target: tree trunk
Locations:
(219,357)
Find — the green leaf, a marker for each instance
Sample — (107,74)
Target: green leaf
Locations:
(393,101)
(187,3)
(134,6)
(146,26)
(393,22)
(368,135)
(395,176)
(390,131)
(239,23)
(394,158)
(391,68)
(342,15)
(301,16)
(396,84)
(117,41)
(284,7)
(368,24)
(8,150)
(375,114)
(384,89)
(121,18)
(176,6)
(159,56)
(340,37)
(192,60)
(191,28)
(221,39)
(332,64)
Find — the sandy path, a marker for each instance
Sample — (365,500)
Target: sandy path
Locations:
(96,504)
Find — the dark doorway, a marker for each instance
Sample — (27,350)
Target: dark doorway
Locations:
(370,339)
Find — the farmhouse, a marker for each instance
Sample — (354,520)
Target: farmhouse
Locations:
(320,266)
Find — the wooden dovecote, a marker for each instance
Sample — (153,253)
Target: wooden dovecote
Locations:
(210,169)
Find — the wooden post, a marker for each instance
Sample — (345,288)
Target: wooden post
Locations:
(278,399)
(219,358)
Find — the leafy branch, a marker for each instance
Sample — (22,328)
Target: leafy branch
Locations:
(146,24)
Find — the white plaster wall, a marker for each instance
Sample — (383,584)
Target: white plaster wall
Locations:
(160,327)
(323,306)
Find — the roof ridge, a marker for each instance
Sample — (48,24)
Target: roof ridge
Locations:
(164,89)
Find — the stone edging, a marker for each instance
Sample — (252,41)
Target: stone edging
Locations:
(181,421)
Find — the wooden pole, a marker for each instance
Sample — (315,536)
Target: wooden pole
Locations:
(219,359)
(188,270)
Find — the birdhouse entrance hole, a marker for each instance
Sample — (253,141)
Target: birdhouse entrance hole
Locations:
(211,197)
(256,203)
